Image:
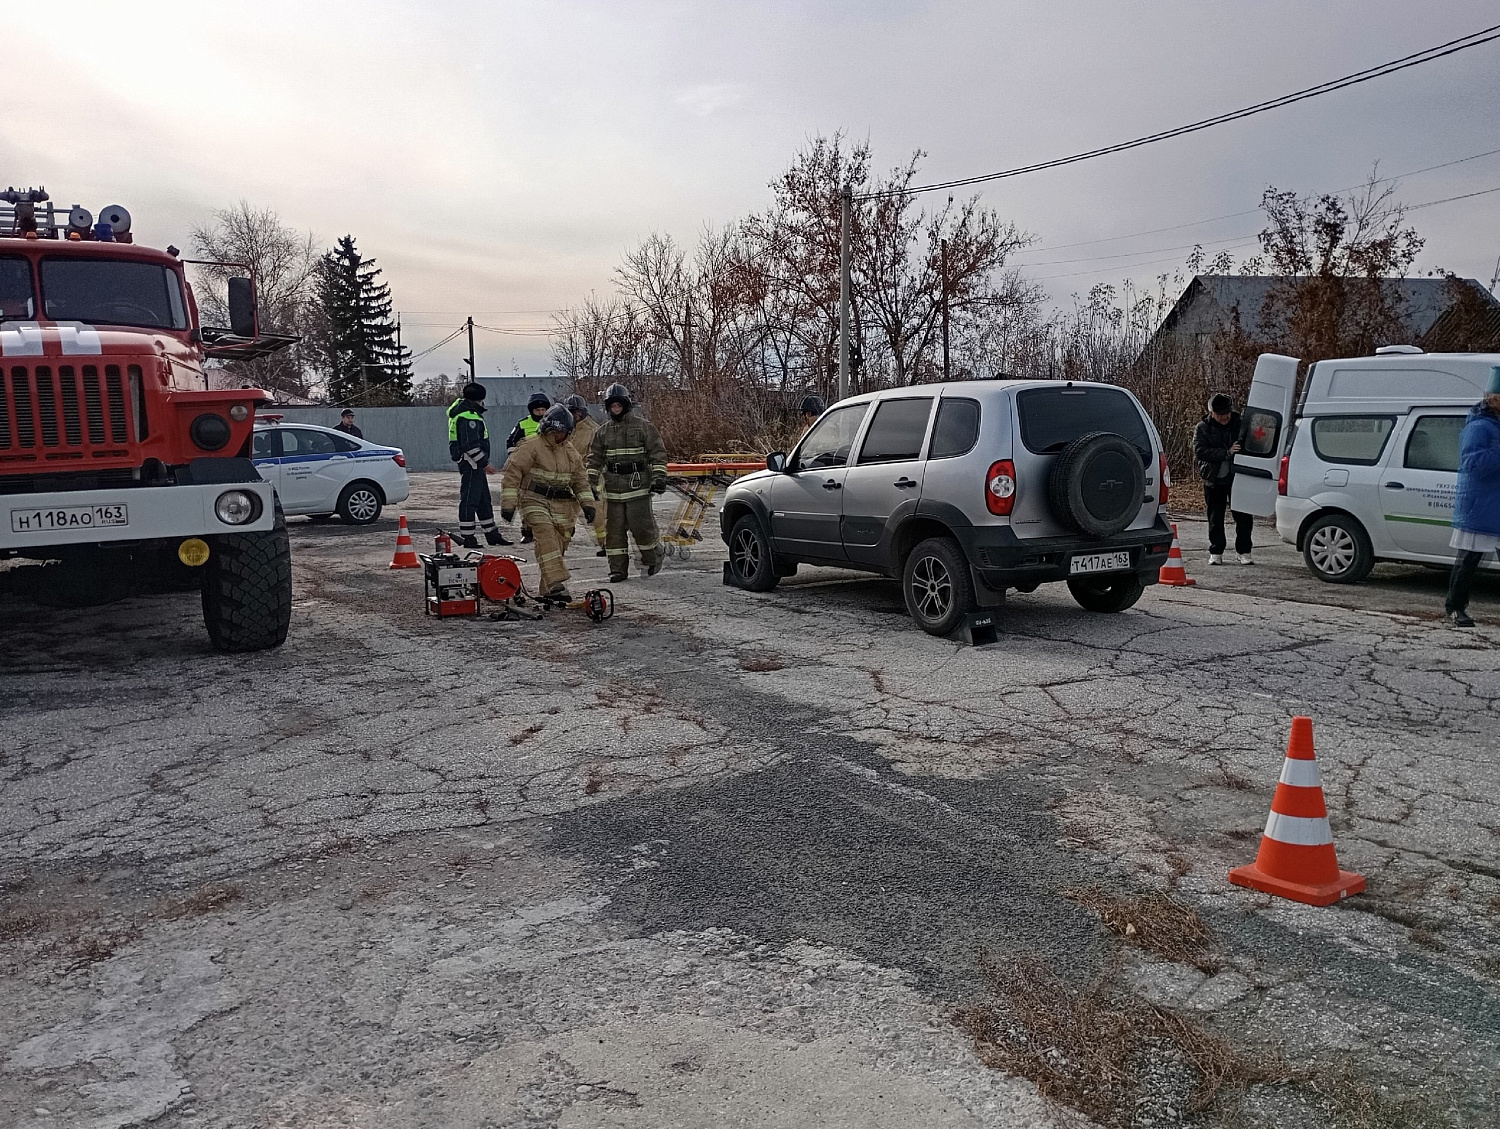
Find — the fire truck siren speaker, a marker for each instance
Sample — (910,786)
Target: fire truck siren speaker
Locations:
(117,218)
(80,218)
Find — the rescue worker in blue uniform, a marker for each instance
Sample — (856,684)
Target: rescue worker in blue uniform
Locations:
(469,447)
(526,427)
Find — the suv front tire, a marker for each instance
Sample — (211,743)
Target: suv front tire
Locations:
(750,563)
(936,585)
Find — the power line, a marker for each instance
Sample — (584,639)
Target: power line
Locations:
(1449,199)
(1250,211)
(1463,43)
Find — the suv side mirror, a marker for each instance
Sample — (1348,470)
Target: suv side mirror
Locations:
(242,319)
(776,461)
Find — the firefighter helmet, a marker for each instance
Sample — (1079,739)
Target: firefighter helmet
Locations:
(558,418)
(617,392)
(577,405)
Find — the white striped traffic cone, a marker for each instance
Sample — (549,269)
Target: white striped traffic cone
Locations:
(1172,573)
(406,553)
(1296,858)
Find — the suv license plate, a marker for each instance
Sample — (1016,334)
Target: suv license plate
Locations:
(1100,562)
(68,517)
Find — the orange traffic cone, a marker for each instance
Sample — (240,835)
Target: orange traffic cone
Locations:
(1296,858)
(406,556)
(1172,572)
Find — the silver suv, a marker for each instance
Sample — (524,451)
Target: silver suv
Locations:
(963,490)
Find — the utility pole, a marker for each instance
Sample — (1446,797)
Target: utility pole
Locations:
(687,341)
(944,261)
(847,199)
(472,376)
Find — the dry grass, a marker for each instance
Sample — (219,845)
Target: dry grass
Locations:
(1088,1050)
(1352,1101)
(1154,922)
(205,899)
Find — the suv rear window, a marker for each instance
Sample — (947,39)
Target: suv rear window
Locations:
(1051,418)
(957,428)
(897,431)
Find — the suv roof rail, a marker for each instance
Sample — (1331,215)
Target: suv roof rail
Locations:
(1394,350)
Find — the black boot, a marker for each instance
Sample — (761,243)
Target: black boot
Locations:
(469,541)
(526,537)
(495,537)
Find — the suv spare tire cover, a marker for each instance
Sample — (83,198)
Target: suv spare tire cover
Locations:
(1096,484)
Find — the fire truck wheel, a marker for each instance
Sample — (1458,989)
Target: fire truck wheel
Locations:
(247,592)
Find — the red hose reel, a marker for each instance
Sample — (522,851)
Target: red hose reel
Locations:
(499,579)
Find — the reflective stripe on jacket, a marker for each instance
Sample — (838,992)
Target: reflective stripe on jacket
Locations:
(524,429)
(631,439)
(468,439)
(551,466)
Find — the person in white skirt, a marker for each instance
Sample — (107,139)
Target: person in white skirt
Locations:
(1476,511)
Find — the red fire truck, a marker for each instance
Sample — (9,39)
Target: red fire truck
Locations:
(117,462)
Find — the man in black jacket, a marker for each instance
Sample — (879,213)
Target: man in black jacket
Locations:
(1216,441)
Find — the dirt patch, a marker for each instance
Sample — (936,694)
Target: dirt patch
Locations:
(1103,1052)
(526,734)
(1154,922)
(205,899)
(760,664)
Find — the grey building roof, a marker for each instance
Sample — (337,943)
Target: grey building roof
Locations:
(1210,299)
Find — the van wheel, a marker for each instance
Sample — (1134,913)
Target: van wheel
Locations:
(360,503)
(1107,593)
(936,585)
(1337,550)
(750,563)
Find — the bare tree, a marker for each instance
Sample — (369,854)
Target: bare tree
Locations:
(282,261)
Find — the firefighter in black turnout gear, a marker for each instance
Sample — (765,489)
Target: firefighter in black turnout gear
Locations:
(469,447)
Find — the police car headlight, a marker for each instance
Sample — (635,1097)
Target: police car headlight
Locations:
(237,507)
(209,431)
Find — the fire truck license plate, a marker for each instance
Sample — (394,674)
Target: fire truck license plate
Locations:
(67,517)
(1100,562)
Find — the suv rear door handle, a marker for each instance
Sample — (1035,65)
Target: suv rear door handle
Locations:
(832,485)
(904,483)
(1395,486)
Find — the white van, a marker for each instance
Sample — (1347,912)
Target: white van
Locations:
(1367,470)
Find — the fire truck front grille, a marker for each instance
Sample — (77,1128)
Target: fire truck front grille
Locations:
(45,419)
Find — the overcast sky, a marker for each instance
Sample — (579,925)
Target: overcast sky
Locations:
(497,158)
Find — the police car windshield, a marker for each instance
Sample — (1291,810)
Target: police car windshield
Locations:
(112,292)
(17,302)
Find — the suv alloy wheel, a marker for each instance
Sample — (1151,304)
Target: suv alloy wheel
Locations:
(936,586)
(750,563)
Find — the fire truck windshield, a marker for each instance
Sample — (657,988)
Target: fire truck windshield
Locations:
(16,298)
(112,292)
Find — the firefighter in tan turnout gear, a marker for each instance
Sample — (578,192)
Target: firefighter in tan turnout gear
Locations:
(555,487)
(583,439)
(628,456)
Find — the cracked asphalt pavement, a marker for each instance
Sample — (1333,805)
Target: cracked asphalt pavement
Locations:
(726,859)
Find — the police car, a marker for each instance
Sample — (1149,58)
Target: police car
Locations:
(322,472)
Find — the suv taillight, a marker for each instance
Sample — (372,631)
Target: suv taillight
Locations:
(399,459)
(1281,478)
(1000,487)
(1166,479)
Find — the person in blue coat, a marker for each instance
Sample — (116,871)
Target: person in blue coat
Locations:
(1476,512)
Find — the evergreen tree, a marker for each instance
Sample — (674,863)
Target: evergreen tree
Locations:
(365,365)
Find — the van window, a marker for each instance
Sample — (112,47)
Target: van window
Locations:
(1351,439)
(896,432)
(831,439)
(1433,443)
(1051,418)
(1261,432)
(957,428)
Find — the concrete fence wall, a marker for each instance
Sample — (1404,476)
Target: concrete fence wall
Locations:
(423,432)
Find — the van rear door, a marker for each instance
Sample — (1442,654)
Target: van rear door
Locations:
(1268,410)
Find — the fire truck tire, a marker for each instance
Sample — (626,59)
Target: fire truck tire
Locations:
(247,592)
